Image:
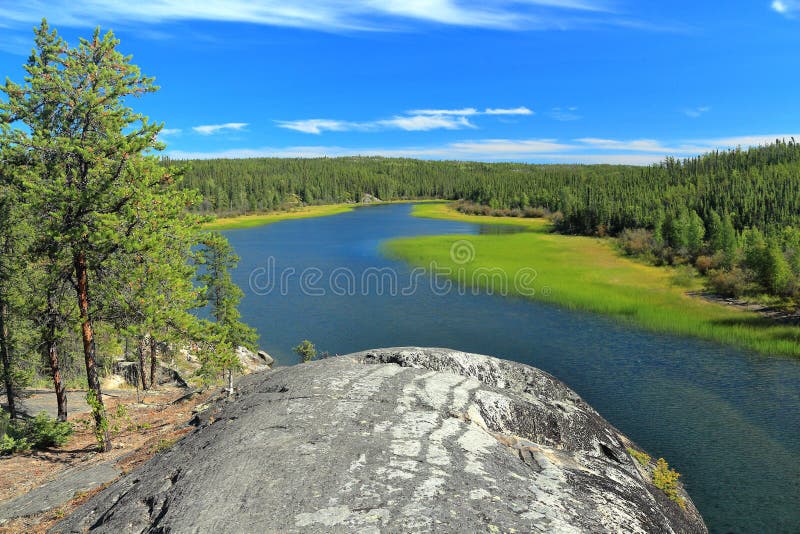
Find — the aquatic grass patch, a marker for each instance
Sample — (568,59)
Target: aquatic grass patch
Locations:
(261,219)
(589,274)
(322,210)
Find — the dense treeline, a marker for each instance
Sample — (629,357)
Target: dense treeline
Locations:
(681,203)
(759,187)
(97,247)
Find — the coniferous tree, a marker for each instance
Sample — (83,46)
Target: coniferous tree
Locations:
(215,259)
(89,172)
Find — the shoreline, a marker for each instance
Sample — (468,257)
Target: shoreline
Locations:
(588,274)
(253,220)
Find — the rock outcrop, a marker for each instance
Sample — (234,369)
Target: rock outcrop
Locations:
(393,440)
(367,198)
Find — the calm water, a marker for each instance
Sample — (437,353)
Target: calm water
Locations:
(728,420)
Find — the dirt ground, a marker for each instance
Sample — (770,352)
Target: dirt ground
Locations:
(139,430)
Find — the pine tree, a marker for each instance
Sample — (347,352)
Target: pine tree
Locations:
(88,172)
(215,259)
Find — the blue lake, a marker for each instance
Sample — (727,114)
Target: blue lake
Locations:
(727,419)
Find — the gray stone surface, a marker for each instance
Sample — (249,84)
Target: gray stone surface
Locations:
(58,491)
(393,440)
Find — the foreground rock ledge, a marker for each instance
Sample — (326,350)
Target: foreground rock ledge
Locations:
(393,440)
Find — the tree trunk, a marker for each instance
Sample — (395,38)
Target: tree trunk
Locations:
(153,357)
(51,347)
(142,373)
(230,382)
(6,357)
(89,349)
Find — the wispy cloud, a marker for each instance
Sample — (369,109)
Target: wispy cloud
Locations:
(328,15)
(170,131)
(787,8)
(210,129)
(418,120)
(564,114)
(585,150)
(696,112)
(467,112)
(413,123)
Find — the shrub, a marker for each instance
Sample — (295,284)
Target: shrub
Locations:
(666,480)
(9,445)
(704,264)
(306,350)
(636,242)
(642,457)
(728,283)
(44,431)
(38,433)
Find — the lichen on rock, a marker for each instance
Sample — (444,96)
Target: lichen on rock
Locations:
(403,439)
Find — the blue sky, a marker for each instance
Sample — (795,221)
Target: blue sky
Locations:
(609,81)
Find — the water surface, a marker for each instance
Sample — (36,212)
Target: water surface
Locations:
(728,420)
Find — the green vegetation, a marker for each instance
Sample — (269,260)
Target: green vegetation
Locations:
(698,211)
(41,432)
(97,234)
(260,219)
(587,273)
(306,350)
(666,480)
(642,457)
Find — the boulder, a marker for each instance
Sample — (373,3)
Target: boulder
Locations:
(253,362)
(393,440)
(366,198)
(165,375)
(266,358)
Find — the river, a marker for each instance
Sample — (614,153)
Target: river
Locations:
(727,419)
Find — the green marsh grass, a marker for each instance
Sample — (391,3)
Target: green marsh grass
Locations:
(260,219)
(589,274)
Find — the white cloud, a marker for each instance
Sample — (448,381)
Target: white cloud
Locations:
(418,120)
(587,150)
(522,110)
(413,123)
(416,123)
(787,8)
(317,126)
(170,131)
(564,114)
(337,15)
(696,112)
(210,129)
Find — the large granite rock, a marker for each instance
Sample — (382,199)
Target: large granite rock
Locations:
(393,440)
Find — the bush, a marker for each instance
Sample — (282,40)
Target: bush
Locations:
(704,264)
(44,431)
(728,283)
(9,445)
(642,457)
(636,242)
(40,432)
(666,480)
(306,350)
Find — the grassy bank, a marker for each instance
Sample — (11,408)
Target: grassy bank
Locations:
(260,219)
(588,274)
